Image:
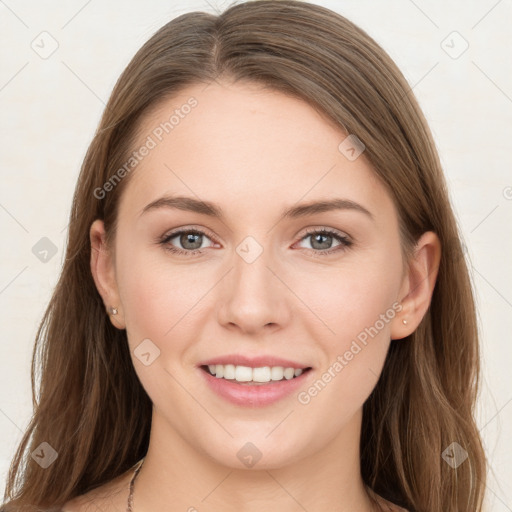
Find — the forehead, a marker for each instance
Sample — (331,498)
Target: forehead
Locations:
(246,147)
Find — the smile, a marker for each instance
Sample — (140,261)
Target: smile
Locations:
(247,374)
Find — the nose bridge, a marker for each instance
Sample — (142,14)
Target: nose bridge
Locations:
(252,295)
(251,275)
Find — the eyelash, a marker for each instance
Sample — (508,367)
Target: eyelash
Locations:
(345,242)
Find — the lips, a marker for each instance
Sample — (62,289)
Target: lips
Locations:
(254,394)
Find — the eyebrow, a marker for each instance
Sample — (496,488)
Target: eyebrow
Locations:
(211,209)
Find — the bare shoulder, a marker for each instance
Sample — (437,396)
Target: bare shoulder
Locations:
(395,508)
(388,506)
(110,497)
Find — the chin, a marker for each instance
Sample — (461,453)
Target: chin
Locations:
(255,453)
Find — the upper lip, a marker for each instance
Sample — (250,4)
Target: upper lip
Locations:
(253,361)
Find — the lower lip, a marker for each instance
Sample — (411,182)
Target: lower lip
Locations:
(255,395)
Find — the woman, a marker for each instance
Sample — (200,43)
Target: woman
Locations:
(263,304)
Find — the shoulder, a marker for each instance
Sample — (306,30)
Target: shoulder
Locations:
(388,506)
(110,497)
(391,507)
(396,508)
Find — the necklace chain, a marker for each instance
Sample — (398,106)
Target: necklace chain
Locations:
(132,481)
(139,465)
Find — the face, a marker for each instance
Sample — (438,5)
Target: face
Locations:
(317,287)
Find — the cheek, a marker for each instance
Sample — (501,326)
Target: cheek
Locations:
(155,295)
(356,306)
(352,363)
(346,300)
(162,300)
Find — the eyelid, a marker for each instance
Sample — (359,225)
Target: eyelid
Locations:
(325,229)
(177,231)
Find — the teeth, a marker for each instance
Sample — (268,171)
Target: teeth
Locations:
(243,373)
(229,371)
(261,374)
(248,374)
(277,372)
(289,373)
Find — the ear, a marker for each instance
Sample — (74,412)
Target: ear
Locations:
(418,285)
(103,272)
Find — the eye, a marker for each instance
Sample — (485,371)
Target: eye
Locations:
(190,241)
(321,241)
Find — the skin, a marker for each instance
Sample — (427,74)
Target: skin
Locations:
(254,152)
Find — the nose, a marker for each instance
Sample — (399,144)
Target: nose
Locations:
(252,298)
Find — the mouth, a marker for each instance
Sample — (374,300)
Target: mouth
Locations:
(248,386)
(249,376)
(254,380)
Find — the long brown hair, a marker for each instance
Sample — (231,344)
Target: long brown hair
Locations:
(90,406)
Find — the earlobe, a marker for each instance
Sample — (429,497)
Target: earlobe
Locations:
(418,285)
(103,272)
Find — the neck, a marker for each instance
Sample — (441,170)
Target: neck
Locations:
(176,476)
